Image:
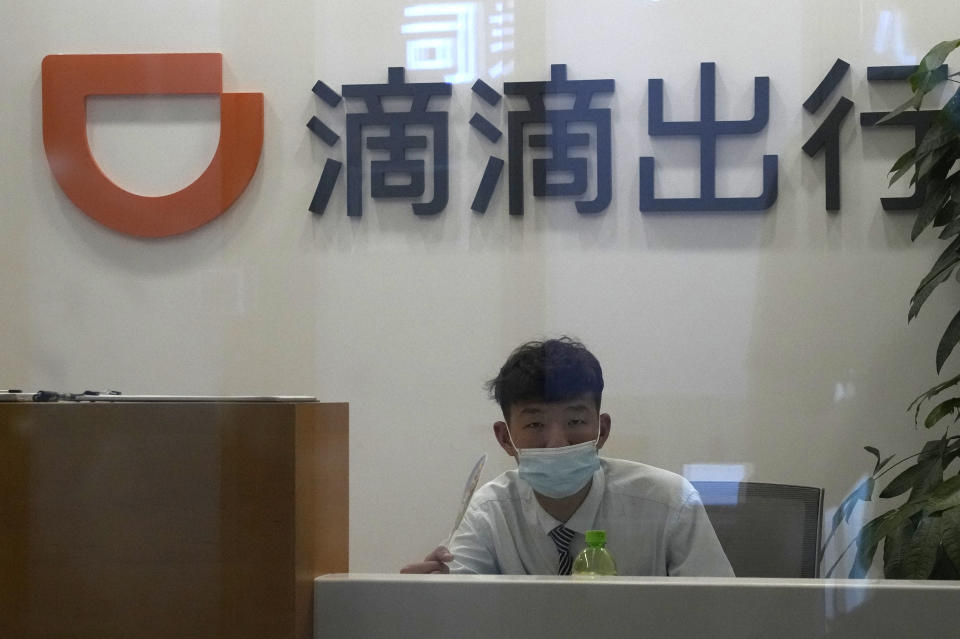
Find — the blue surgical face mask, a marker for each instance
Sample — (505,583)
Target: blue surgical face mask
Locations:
(558,472)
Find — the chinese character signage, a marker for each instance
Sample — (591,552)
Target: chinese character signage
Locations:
(567,143)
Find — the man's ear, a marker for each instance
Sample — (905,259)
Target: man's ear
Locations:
(502,433)
(605,424)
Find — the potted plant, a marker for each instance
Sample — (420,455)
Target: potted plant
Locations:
(921,537)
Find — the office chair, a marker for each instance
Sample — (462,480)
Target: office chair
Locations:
(766,530)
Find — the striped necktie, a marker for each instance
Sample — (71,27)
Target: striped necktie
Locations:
(562,537)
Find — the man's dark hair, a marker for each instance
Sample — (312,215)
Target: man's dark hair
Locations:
(553,370)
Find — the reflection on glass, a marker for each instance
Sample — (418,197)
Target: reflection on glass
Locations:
(500,39)
(889,37)
(718,472)
(844,390)
(446,36)
(442,36)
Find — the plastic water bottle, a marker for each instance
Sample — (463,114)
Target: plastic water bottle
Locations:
(594,560)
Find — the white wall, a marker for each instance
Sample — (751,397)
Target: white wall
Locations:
(777,341)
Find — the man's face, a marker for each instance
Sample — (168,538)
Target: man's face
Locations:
(555,424)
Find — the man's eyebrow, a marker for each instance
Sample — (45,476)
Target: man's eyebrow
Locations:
(531,410)
(578,408)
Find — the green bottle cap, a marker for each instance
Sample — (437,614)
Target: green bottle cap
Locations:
(596,537)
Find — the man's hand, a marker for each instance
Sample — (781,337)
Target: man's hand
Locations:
(432,564)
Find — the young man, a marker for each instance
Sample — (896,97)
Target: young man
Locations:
(532,520)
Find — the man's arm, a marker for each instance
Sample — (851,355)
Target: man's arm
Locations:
(473,545)
(471,550)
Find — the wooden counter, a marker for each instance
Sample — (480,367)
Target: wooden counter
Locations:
(155,519)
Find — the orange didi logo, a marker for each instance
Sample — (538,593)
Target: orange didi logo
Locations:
(69,79)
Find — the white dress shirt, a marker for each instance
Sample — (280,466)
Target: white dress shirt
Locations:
(654,520)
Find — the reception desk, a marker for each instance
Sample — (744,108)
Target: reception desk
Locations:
(421,606)
(161,519)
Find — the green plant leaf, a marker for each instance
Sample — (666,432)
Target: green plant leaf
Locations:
(951,226)
(932,204)
(933,449)
(941,410)
(904,481)
(929,477)
(948,255)
(947,488)
(937,136)
(862,561)
(952,452)
(932,61)
(950,230)
(950,112)
(933,157)
(949,212)
(874,531)
(929,73)
(921,552)
(883,463)
(930,473)
(915,101)
(903,164)
(867,541)
(927,165)
(908,510)
(894,550)
(930,283)
(917,403)
(935,166)
(876,453)
(937,276)
(944,496)
(949,340)
(950,535)
(930,78)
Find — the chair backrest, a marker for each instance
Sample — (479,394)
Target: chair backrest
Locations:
(766,530)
